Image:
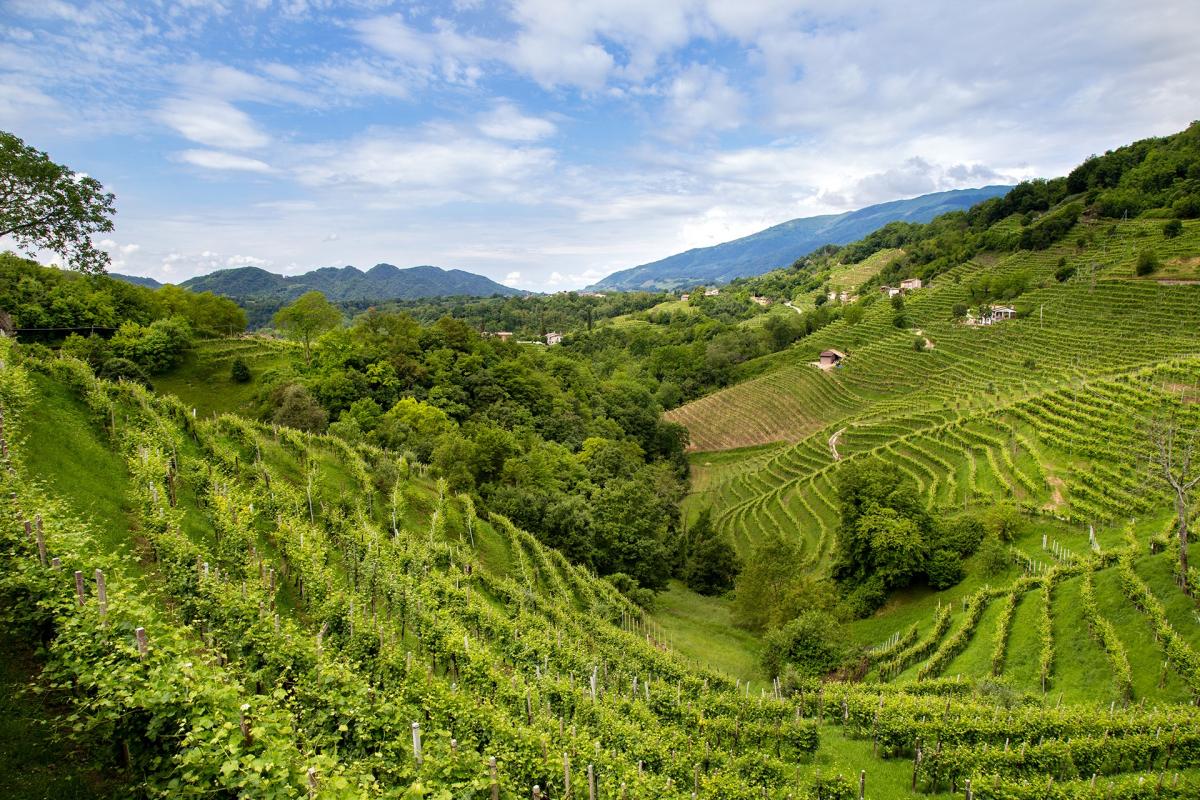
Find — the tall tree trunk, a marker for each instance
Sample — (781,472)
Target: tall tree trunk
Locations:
(1181,510)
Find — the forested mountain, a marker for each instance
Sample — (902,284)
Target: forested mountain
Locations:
(782,244)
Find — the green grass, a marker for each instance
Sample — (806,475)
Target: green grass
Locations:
(1081,669)
(701,628)
(202,379)
(67,449)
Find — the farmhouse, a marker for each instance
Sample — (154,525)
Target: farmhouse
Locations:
(993,315)
(685,297)
(908,284)
(889,291)
(831,358)
(762,301)
(713,292)
(554,338)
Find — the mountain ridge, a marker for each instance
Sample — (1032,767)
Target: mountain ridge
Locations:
(781,244)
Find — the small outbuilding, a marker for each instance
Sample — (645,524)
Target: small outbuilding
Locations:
(908,284)
(831,358)
(503,336)
(554,338)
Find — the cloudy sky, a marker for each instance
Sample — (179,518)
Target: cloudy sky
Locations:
(546,143)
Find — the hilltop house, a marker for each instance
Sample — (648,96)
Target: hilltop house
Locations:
(685,297)
(554,338)
(993,315)
(844,296)
(908,284)
(762,301)
(830,358)
(713,292)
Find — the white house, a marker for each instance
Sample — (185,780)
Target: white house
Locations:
(554,338)
(713,292)
(685,297)
(889,291)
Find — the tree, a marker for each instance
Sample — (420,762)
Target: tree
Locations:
(1172,228)
(48,206)
(773,587)
(812,642)
(307,318)
(1147,262)
(296,408)
(1172,453)
(712,563)
(239,372)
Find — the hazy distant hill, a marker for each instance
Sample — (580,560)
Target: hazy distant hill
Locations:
(381,282)
(782,244)
(136,280)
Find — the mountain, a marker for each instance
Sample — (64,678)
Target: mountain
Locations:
(349,284)
(782,244)
(136,280)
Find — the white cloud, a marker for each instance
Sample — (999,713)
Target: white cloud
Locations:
(218,160)
(512,278)
(439,162)
(212,122)
(506,121)
(701,99)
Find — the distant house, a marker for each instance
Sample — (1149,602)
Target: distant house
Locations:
(993,315)
(713,292)
(591,294)
(908,284)
(554,338)
(762,301)
(503,336)
(685,297)
(889,291)
(831,358)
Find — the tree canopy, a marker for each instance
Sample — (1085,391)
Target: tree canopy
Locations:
(307,318)
(49,206)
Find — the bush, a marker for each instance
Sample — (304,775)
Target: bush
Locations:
(296,408)
(713,566)
(958,311)
(945,569)
(1172,228)
(239,372)
(1064,272)
(1147,263)
(812,643)
(993,557)
(864,599)
(124,369)
(919,344)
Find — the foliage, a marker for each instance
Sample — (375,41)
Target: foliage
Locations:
(239,371)
(49,206)
(1172,228)
(307,317)
(772,586)
(711,564)
(1147,263)
(944,568)
(812,643)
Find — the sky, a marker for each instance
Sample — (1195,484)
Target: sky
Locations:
(548,143)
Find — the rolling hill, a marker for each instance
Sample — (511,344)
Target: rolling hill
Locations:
(380,283)
(782,244)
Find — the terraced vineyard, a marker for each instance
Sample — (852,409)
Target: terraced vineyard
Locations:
(1045,410)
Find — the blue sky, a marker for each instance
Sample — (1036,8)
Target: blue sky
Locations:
(546,144)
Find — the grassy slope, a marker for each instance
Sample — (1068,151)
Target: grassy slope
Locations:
(202,379)
(701,628)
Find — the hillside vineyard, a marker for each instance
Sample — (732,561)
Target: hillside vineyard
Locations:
(910,517)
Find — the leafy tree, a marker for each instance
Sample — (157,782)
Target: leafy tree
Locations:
(812,643)
(773,587)
(48,206)
(1147,263)
(296,408)
(993,556)
(1172,228)
(239,372)
(123,369)
(919,344)
(307,318)
(898,548)
(945,569)
(712,564)
(413,425)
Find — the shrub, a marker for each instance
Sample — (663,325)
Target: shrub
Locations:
(958,311)
(919,344)
(239,372)
(1064,272)
(812,643)
(123,369)
(945,569)
(1147,262)
(296,408)
(993,558)
(1172,228)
